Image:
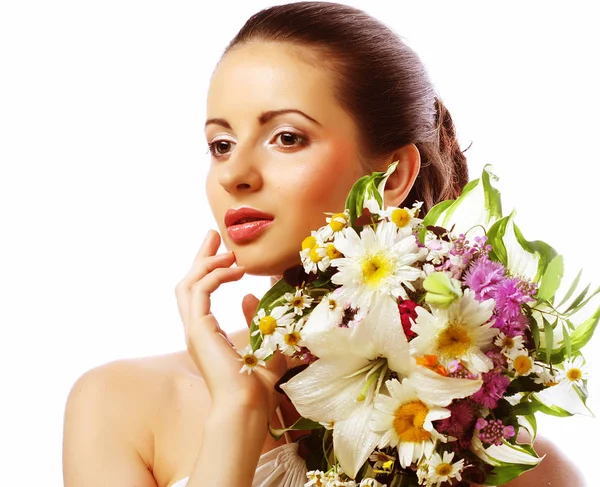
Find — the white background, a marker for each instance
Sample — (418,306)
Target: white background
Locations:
(103,160)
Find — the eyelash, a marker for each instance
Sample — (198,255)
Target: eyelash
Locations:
(303,143)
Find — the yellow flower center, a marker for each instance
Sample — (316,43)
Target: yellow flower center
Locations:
(292,339)
(267,325)
(387,465)
(400,217)
(309,242)
(375,268)
(332,252)
(454,341)
(297,301)
(443,469)
(336,225)
(508,342)
(522,364)
(408,422)
(332,304)
(250,360)
(574,374)
(314,255)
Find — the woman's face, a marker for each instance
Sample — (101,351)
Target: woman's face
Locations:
(290,166)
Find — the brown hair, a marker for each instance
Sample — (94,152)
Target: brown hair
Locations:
(380,82)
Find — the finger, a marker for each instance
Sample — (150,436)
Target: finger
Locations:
(277,364)
(204,266)
(201,290)
(249,305)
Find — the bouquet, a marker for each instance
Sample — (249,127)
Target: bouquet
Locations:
(425,344)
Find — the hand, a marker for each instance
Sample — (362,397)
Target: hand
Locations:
(208,345)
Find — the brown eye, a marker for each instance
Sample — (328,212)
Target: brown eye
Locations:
(219,147)
(290,139)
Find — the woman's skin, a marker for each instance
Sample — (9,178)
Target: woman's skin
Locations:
(153,421)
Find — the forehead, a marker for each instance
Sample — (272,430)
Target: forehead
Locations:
(261,76)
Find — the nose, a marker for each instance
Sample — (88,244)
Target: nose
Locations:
(240,173)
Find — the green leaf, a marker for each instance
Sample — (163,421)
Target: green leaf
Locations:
(495,235)
(548,337)
(582,334)
(369,186)
(551,410)
(301,424)
(551,279)
(544,252)
(529,422)
(502,475)
(580,297)
(571,289)
(432,217)
(566,340)
(584,302)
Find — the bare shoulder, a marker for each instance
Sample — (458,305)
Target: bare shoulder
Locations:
(111,417)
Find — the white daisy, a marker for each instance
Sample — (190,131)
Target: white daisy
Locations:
(381,460)
(327,253)
(405,421)
(574,372)
(290,338)
(441,469)
(251,359)
(298,301)
(405,218)
(376,262)
(510,346)
(522,364)
(460,332)
(369,483)
(308,255)
(337,224)
(269,326)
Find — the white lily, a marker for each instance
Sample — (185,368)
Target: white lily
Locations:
(354,361)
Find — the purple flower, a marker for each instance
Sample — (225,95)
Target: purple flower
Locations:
(483,277)
(509,297)
(461,420)
(493,389)
(493,431)
(512,326)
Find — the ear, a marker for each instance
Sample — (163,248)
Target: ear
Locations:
(401,181)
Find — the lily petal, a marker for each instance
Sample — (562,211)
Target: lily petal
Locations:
(438,390)
(323,391)
(353,440)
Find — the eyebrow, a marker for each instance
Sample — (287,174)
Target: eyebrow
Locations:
(263,118)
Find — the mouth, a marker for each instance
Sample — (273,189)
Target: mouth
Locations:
(246,223)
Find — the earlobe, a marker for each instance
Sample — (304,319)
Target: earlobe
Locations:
(401,181)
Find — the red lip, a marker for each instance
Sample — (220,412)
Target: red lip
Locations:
(245,223)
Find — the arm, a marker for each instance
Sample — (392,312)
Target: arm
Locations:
(99,441)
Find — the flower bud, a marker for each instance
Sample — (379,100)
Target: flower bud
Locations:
(442,290)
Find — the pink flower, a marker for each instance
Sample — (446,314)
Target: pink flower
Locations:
(493,389)
(461,421)
(493,431)
(483,277)
(408,314)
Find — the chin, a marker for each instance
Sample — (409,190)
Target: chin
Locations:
(262,265)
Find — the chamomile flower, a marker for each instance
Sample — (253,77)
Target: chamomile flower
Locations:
(405,422)
(251,359)
(298,301)
(376,262)
(308,254)
(269,325)
(460,332)
(441,469)
(405,218)
(337,223)
(369,482)
(522,364)
(327,253)
(510,346)
(381,461)
(290,338)
(575,371)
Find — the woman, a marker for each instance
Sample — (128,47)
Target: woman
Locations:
(307,98)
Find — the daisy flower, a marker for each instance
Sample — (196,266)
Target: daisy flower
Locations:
(405,218)
(460,332)
(337,223)
(522,364)
(269,325)
(308,255)
(441,469)
(251,359)
(290,338)
(376,262)
(510,346)
(575,372)
(381,461)
(405,422)
(326,254)
(298,301)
